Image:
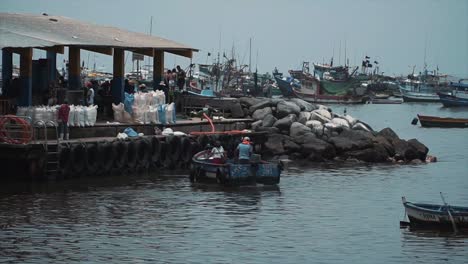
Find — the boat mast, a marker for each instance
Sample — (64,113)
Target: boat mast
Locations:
(250,55)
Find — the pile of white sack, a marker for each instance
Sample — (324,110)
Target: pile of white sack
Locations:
(79,116)
(145,108)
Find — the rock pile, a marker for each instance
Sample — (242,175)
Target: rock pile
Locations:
(301,130)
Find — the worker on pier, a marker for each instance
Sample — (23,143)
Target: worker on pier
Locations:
(245,150)
(63,114)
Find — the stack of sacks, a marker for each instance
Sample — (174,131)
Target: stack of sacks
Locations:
(143,108)
(81,116)
(39,113)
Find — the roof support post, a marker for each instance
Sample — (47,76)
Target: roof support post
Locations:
(7,69)
(74,69)
(158,67)
(25,93)
(52,65)
(118,72)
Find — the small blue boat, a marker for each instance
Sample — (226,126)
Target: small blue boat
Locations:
(203,169)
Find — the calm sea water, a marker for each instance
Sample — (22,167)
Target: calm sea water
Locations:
(318,214)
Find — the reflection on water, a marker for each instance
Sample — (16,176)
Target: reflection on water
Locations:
(326,212)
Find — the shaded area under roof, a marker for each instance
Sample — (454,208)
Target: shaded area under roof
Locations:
(42,31)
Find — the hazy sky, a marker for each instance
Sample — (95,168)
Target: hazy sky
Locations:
(285,33)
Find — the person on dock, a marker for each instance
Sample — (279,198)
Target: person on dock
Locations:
(180,78)
(245,150)
(217,153)
(63,114)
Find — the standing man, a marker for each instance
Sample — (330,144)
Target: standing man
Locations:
(63,113)
(180,78)
(90,99)
(245,150)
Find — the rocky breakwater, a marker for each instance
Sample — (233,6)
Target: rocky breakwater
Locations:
(299,130)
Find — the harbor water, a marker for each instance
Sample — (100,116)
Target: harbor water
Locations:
(319,213)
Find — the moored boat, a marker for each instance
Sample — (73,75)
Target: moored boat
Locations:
(412,96)
(434,121)
(312,94)
(434,216)
(458,97)
(204,169)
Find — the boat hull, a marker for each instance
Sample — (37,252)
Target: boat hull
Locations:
(231,173)
(410,96)
(436,216)
(450,101)
(433,121)
(312,96)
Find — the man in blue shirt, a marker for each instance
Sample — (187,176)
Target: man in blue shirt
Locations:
(245,150)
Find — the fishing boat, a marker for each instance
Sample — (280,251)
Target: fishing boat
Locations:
(291,88)
(434,121)
(204,169)
(458,97)
(415,96)
(436,216)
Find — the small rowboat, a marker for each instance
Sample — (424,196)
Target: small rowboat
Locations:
(203,169)
(433,216)
(434,121)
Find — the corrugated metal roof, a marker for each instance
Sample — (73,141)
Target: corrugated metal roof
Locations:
(27,30)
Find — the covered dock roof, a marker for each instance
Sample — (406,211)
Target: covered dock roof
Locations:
(46,31)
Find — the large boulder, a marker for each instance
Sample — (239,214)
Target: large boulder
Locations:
(285,122)
(284,108)
(269,120)
(323,112)
(249,101)
(421,149)
(305,106)
(404,150)
(298,129)
(315,115)
(316,149)
(261,113)
(303,117)
(304,138)
(274,144)
(290,146)
(377,153)
(257,124)
(260,105)
(350,140)
(316,126)
(236,111)
(341,122)
(380,140)
(389,134)
(269,130)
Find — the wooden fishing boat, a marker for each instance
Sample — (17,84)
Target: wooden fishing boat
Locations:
(313,94)
(434,121)
(436,216)
(203,169)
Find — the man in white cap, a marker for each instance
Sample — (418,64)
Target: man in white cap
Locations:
(245,150)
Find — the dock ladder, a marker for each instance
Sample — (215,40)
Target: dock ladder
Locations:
(51,169)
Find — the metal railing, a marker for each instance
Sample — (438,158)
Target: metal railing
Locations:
(43,124)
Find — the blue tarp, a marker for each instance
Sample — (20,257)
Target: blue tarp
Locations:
(128,103)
